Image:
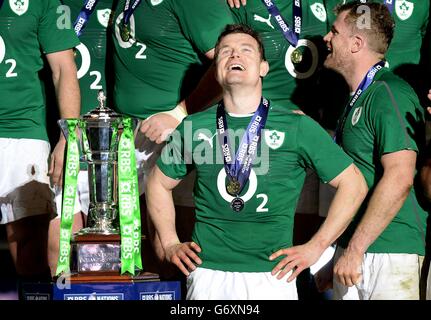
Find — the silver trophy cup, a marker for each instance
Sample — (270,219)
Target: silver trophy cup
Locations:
(99,132)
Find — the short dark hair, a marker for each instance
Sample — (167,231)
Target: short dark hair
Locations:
(381,24)
(240,28)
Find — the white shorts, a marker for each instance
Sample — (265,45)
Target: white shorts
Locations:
(82,198)
(207,284)
(385,276)
(309,197)
(24,181)
(147,152)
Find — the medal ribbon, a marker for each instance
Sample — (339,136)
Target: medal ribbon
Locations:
(390,4)
(69,192)
(128,10)
(130,218)
(240,168)
(292,36)
(84,16)
(365,83)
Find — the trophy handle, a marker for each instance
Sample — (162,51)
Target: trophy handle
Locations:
(136,125)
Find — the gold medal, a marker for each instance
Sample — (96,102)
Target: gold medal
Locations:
(233,187)
(296,56)
(124,33)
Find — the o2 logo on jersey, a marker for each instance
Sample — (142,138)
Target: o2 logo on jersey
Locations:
(11,71)
(252,187)
(19,6)
(132,40)
(126,45)
(290,67)
(85,66)
(2,49)
(85,60)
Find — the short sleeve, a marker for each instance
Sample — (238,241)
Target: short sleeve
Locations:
(319,152)
(396,119)
(203,21)
(52,32)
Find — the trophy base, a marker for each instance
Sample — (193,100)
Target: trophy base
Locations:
(96,254)
(108,277)
(98,231)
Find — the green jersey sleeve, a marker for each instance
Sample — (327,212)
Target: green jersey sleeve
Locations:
(52,35)
(319,152)
(395,115)
(203,21)
(175,161)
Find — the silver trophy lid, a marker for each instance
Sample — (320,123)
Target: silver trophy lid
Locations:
(101,112)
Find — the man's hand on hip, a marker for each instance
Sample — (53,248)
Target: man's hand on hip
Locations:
(182,254)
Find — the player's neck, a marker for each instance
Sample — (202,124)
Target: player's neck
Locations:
(241,101)
(360,70)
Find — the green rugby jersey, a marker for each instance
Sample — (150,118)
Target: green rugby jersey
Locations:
(294,85)
(387,118)
(91,52)
(28,29)
(162,62)
(411,23)
(403,56)
(243,241)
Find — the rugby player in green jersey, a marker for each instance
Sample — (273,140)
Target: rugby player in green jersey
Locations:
(295,81)
(29,30)
(242,239)
(162,53)
(409,54)
(381,253)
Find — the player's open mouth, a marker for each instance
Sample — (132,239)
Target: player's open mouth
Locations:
(236,66)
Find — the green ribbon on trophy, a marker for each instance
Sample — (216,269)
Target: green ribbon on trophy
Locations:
(128,196)
(69,193)
(130,220)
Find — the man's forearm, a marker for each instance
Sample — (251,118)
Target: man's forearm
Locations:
(161,210)
(67,91)
(350,193)
(385,202)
